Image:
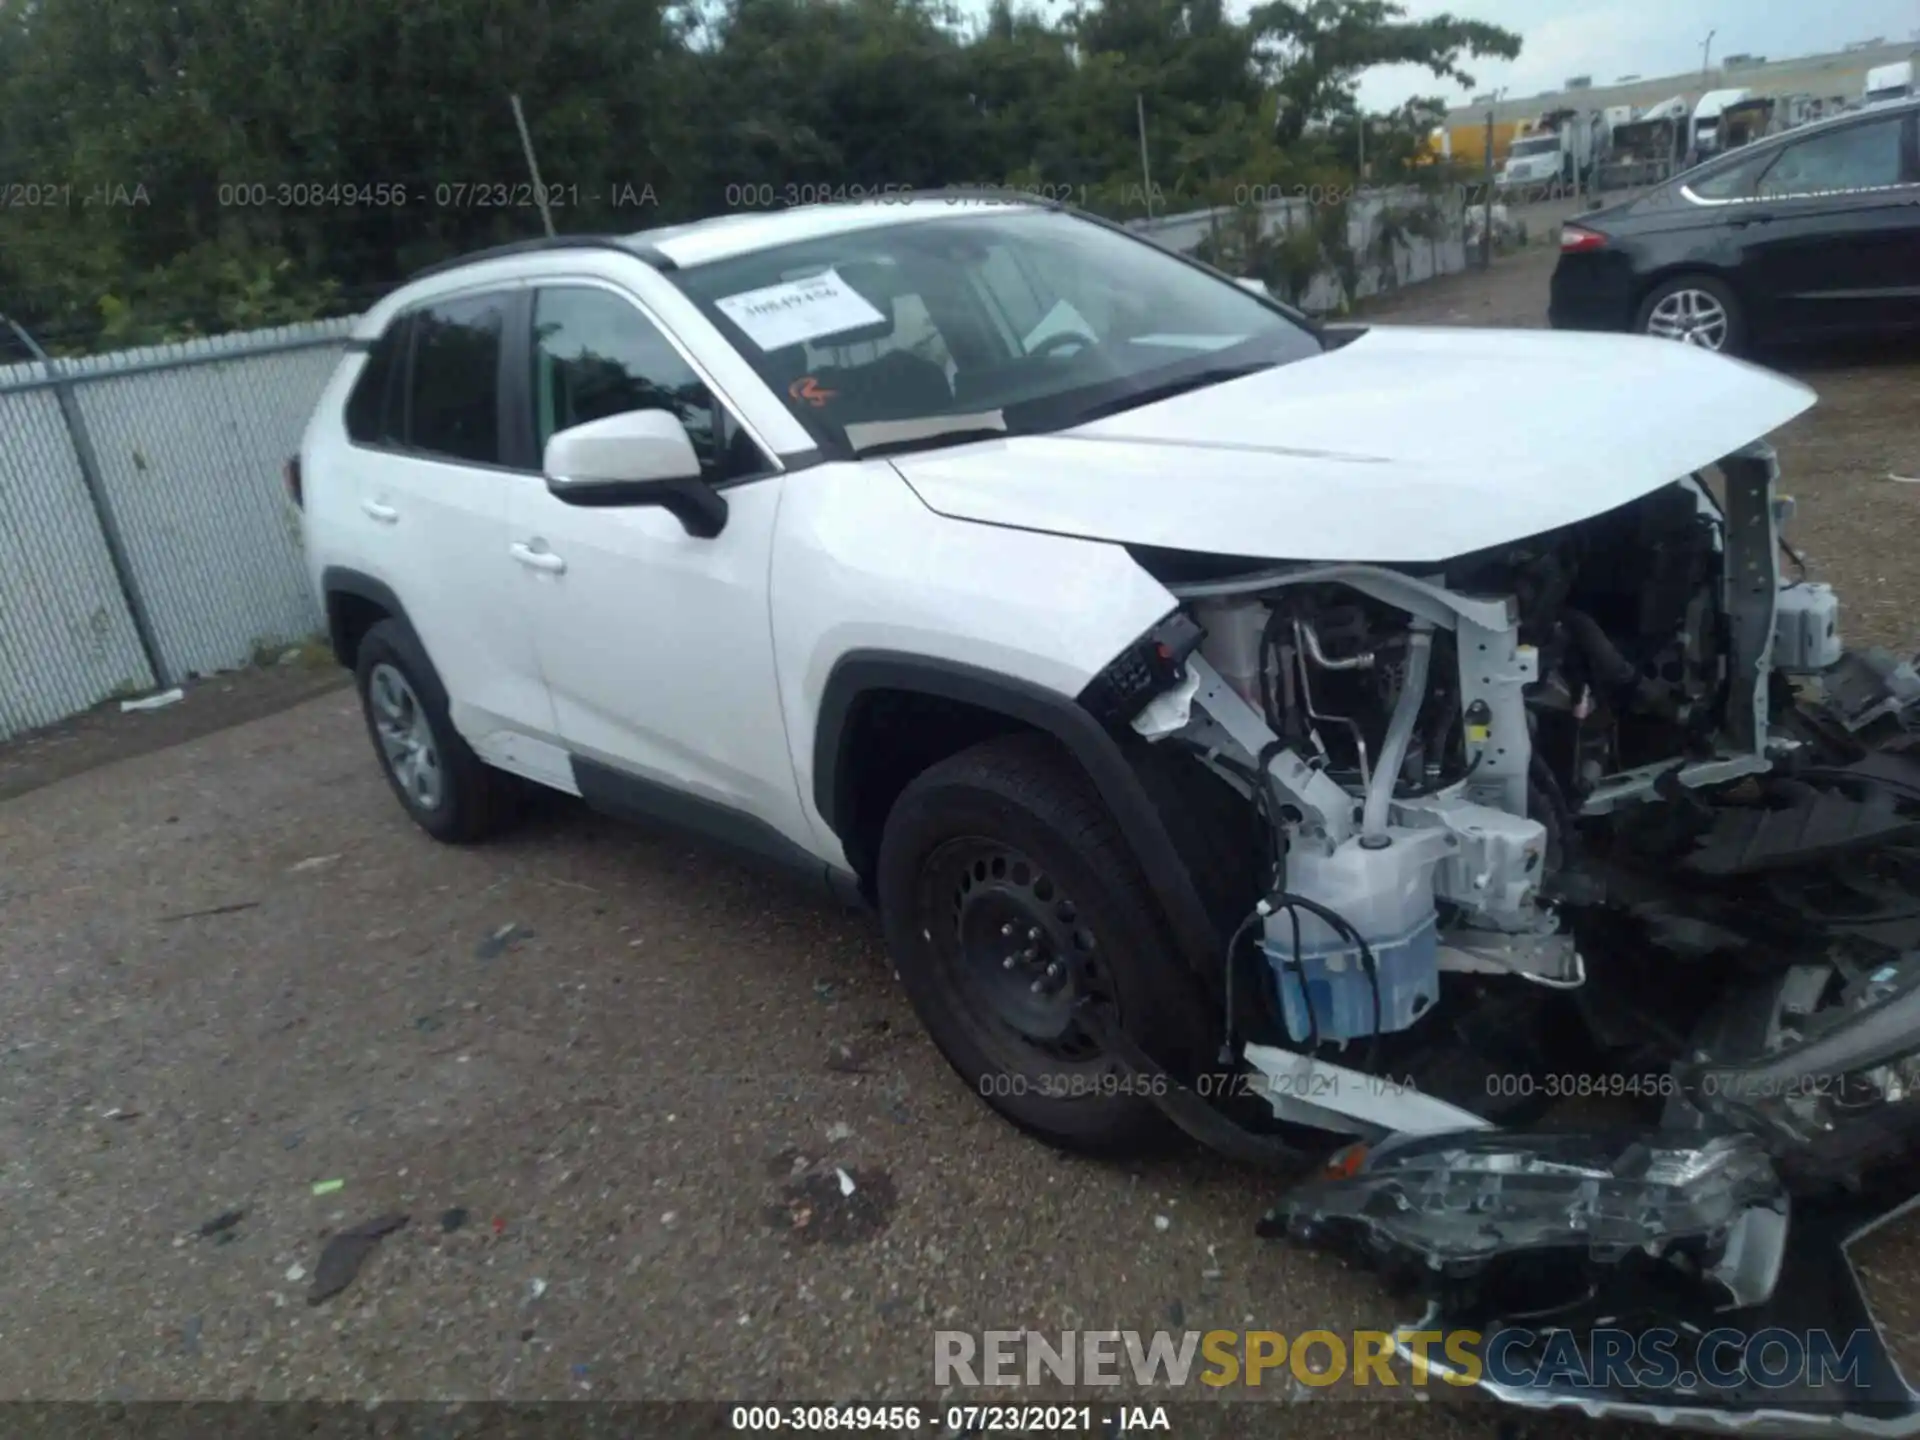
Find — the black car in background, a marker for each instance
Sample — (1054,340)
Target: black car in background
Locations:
(1807,234)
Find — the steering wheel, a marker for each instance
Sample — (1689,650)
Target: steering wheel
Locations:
(1060,340)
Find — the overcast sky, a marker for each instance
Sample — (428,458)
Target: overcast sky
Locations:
(1610,38)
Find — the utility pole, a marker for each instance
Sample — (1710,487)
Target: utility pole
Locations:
(1362,118)
(1486,229)
(533,168)
(1706,49)
(1146,175)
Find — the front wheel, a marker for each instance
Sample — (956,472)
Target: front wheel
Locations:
(1695,310)
(1010,899)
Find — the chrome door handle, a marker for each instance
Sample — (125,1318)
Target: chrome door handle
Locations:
(537,559)
(385,514)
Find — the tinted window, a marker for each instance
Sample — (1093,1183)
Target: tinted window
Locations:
(595,355)
(454,405)
(1732,182)
(1858,157)
(369,416)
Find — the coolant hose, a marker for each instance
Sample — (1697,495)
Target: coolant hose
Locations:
(1406,711)
(1610,667)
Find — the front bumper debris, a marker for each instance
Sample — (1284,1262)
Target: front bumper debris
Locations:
(1737,1311)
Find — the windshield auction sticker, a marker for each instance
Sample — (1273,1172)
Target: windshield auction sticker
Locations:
(797,310)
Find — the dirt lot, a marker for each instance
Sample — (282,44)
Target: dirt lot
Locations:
(609,1076)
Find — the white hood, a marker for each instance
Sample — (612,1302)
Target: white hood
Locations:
(1409,445)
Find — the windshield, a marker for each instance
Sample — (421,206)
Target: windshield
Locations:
(1001,319)
(1536,145)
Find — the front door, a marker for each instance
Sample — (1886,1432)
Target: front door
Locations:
(657,645)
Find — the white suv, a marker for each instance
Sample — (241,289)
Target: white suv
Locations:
(1215,707)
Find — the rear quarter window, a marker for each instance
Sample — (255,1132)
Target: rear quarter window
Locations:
(372,417)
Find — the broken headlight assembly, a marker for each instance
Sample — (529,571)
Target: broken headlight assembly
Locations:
(1448,1208)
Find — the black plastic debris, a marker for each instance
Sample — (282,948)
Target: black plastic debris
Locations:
(340,1261)
(454,1219)
(222,1223)
(835,1206)
(501,941)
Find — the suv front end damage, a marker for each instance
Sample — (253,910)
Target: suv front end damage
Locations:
(1603,819)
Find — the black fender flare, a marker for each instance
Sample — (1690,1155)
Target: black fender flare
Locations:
(1062,717)
(342,580)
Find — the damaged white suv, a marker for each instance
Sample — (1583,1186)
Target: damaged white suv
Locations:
(1240,727)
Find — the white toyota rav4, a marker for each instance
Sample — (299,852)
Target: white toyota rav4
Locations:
(1239,725)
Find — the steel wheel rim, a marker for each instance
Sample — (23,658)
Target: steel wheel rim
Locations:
(1693,317)
(406,738)
(1015,955)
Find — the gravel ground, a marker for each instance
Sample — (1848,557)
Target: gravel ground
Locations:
(609,1076)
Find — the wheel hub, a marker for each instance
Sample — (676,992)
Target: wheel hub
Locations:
(1693,317)
(406,736)
(1022,949)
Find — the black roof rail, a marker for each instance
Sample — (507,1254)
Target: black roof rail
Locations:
(541,243)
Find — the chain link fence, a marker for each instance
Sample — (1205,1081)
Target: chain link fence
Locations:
(145,535)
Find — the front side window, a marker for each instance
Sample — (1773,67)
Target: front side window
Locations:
(1043,319)
(453,399)
(1858,157)
(595,354)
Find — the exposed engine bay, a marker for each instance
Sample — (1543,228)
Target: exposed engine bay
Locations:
(1602,820)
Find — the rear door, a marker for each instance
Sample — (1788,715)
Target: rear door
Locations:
(433,518)
(1832,234)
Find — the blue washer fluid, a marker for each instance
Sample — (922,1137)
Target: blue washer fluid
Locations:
(1334,980)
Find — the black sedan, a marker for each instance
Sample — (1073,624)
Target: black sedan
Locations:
(1812,233)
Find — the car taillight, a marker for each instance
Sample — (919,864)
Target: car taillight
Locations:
(1573,239)
(292,471)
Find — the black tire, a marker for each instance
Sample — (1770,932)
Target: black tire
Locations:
(1722,293)
(471,800)
(1013,828)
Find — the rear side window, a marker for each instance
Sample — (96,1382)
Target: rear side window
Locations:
(453,395)
(372,417)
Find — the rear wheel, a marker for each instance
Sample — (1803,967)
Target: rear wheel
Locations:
(1695,310)
(447,789)
(1010,898)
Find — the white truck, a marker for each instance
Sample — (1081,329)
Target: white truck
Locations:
(1703,139)
(1888,82)
(1561,145)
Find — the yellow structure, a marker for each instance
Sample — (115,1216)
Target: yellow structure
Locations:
(1467,142)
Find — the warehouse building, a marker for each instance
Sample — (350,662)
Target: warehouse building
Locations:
(1841,73)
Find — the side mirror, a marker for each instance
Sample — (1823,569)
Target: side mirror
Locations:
(638,457)
(1258,287)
